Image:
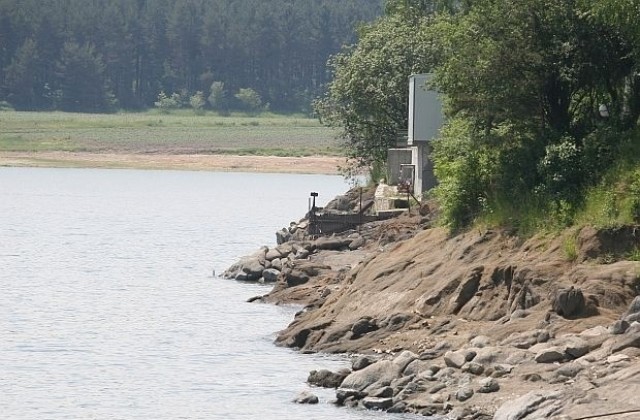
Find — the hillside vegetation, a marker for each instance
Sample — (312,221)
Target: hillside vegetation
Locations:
(542,100)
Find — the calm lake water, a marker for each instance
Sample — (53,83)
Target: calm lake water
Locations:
(108,305)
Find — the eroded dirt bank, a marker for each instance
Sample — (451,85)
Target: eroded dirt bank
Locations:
(477,325)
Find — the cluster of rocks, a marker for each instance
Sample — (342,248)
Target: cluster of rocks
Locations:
(550,376)
(289,261)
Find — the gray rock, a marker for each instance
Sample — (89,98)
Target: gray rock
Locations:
(295,277)
(469,355)
(398,407)
(301,254)
(619,327)
(363,326)
(473,368)
(518,314)
(570,370)
(276,264)
(373,403)
(327,379)
(488,385)
(270,275)
(343,394)
(634,308)
(384,370)
(500,370)
(568,302)
(242,277)
(362,362)
(576,347)
(306,397)
(253,268)
(417,366)
(455,359)
(630,339)
(356,243)
(272,254)
(285,249)
(282,236)
(384,392)
(480,341)
(463,394)
(404,359)
(550,355)
(534,405)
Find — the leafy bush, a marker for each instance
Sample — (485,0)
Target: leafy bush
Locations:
(197,102)
(167,103)
(250,100)
(218,98)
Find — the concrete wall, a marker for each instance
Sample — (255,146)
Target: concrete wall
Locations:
(396,158)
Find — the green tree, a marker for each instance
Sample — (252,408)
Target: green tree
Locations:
(218,98)
(80,73)
(250,100)
(22,78)
(527,78)
(197,103)
(368,95)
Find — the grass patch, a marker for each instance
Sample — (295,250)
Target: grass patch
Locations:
(570,247)
(180,132)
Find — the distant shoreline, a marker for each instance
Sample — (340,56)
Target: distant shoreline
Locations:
(192,162)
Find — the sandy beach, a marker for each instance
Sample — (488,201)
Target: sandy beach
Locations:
(198,162)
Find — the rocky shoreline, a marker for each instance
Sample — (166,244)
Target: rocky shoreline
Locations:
(480,325)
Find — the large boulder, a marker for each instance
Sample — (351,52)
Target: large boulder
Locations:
(382,371)
(534,405)
(568,302)
(633,313)
(326,379)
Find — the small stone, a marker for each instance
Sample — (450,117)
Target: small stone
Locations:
(549,355)
(464,394)
(270,275)
(327,379)
(473,368)
(488,385)
(480,341)
(362,362)
(306,397)
(454,359)
(619,327)
(373,403)
(470,355)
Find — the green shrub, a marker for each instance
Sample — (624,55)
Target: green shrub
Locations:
(167,103)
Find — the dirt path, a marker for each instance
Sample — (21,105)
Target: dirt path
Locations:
(306,165)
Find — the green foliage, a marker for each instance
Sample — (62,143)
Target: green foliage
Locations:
(570,247)
(197,103)
(368,95)
(278,48)
(81,79)
(166,104)
(526,80)
(218,98)
(251,101)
